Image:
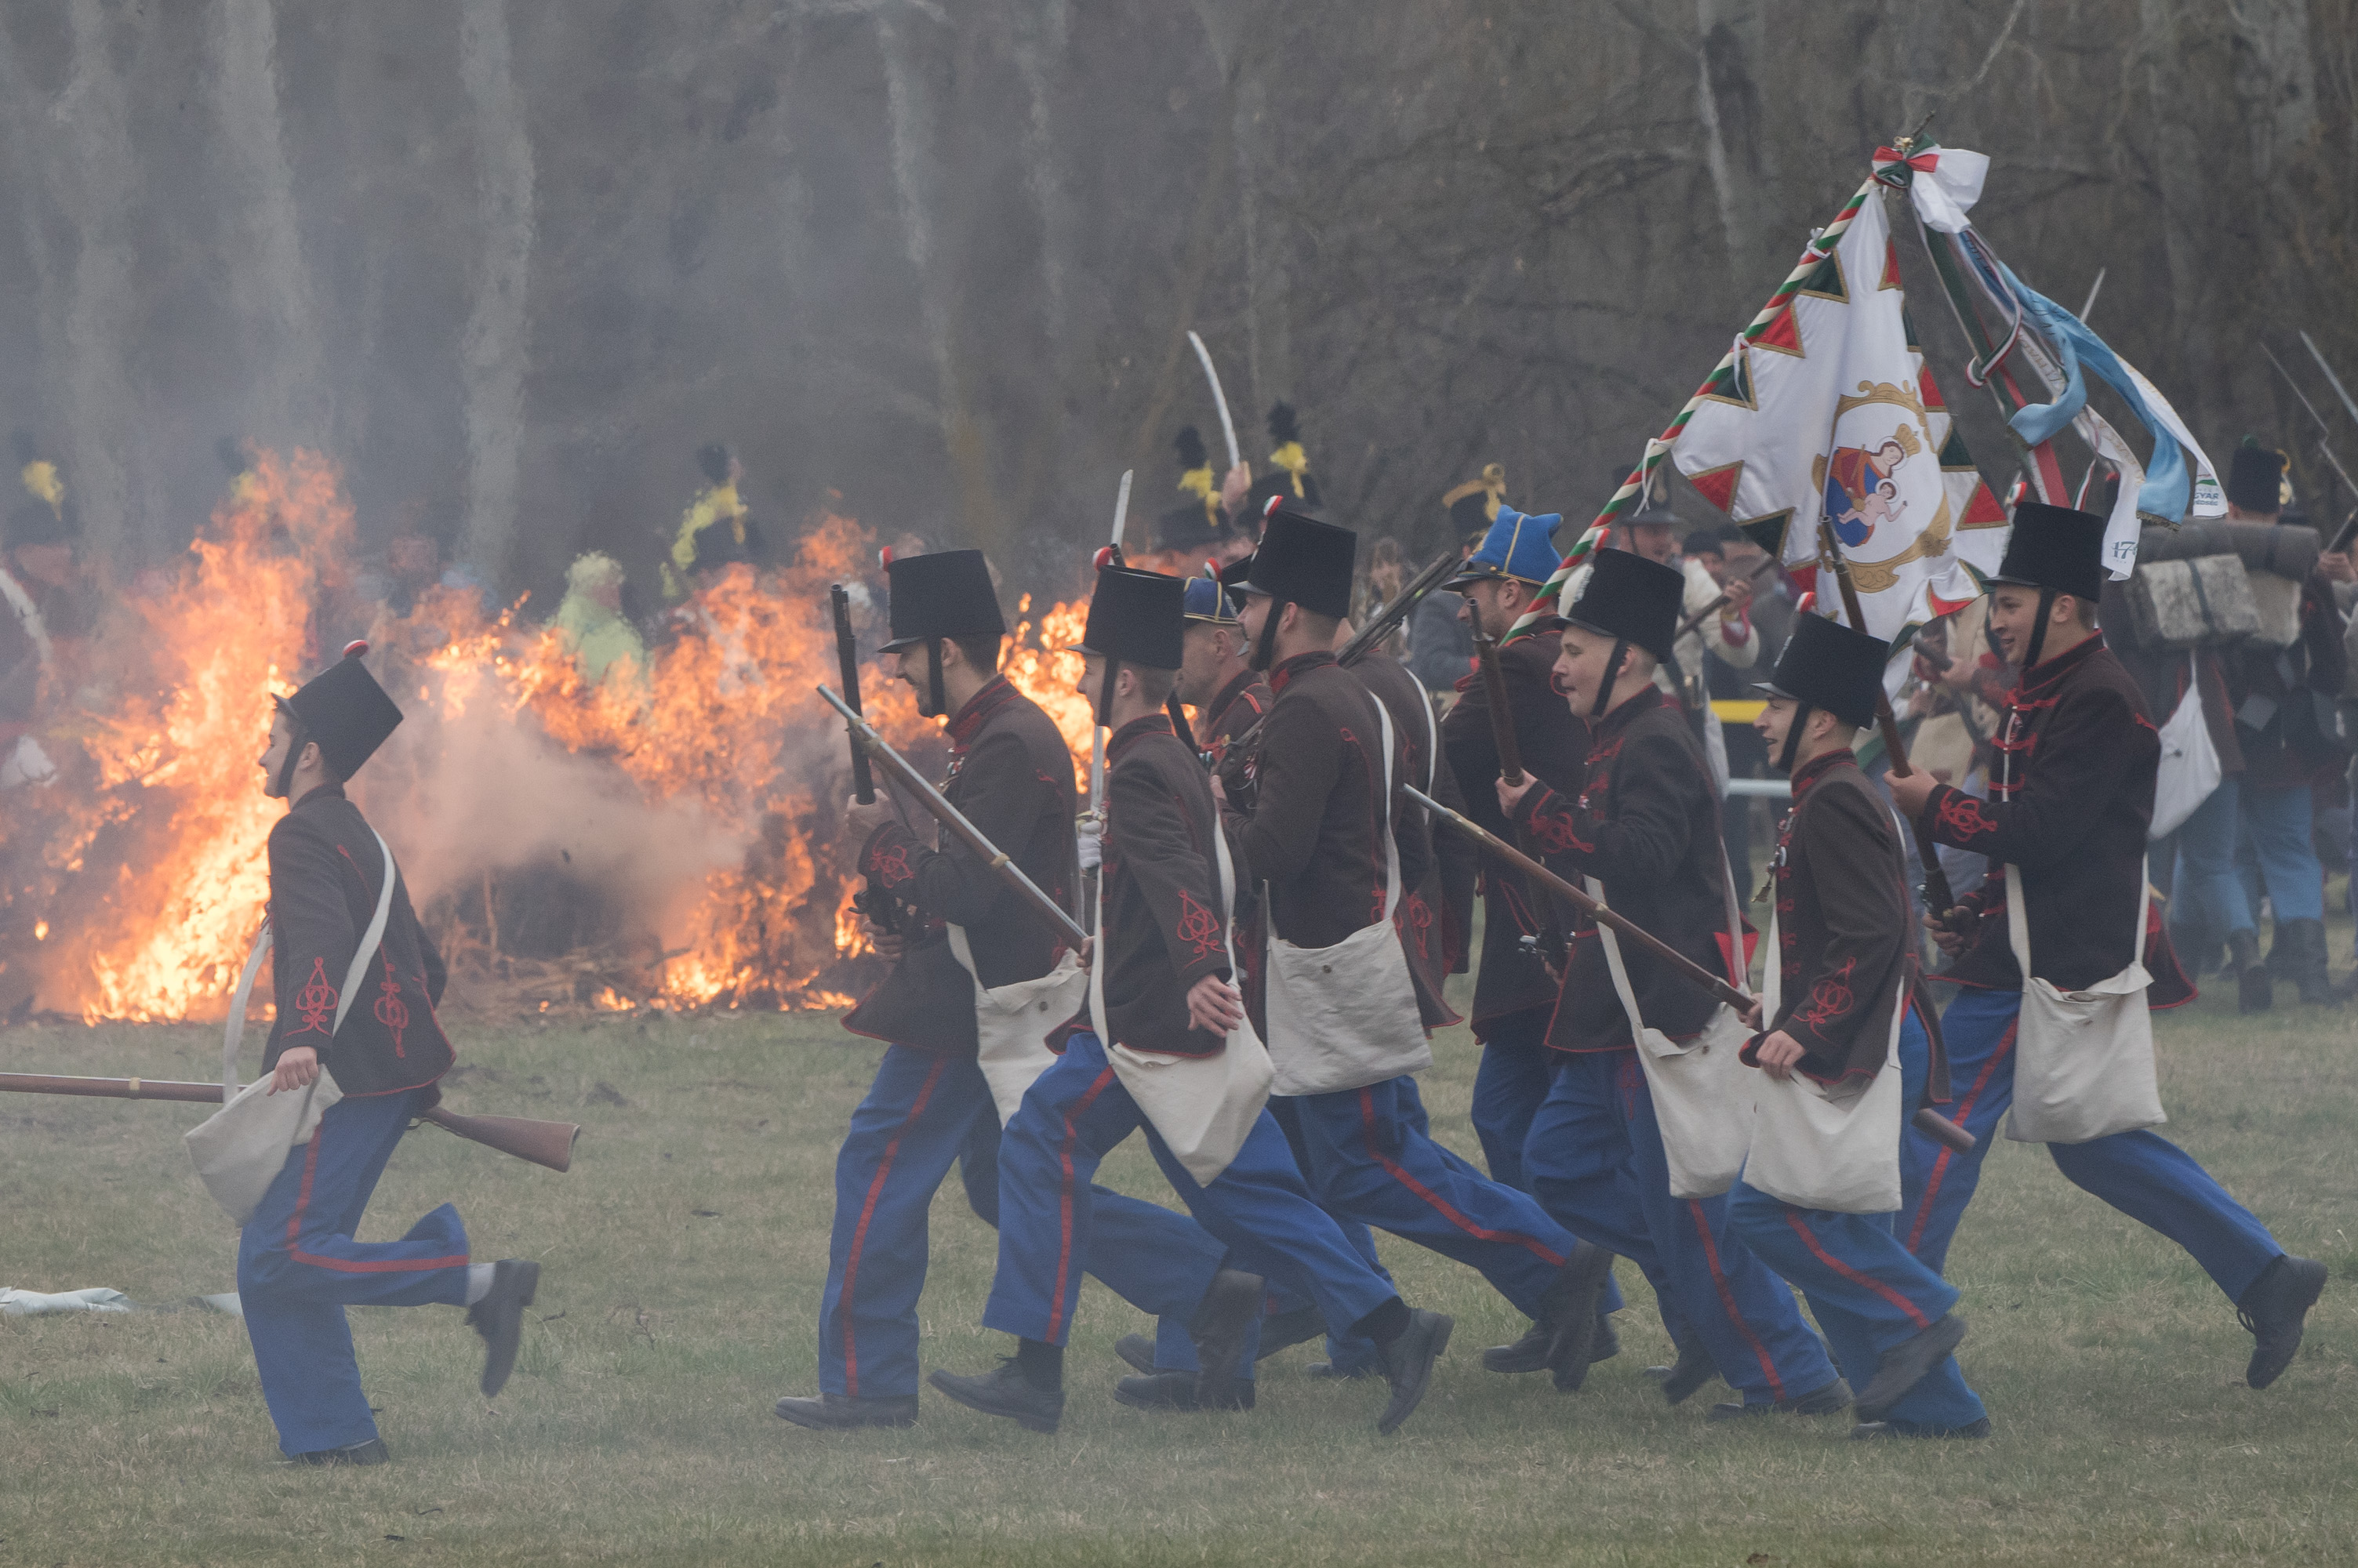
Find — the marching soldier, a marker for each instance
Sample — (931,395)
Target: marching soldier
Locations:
(1321,850)
(963,930)
(1645,826)
(1513,991)
(2067,818)
(357,981)
(1840,1037)
(1165,1053)
(1231,699)
(1432,917)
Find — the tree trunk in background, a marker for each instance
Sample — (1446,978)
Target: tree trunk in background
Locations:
(1729,42)
(89,417)
(495,353)
(270,288)
(909,112)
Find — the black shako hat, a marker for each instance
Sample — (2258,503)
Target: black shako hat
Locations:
(2255,477)
(1631,599)
(1303,561)
(2054,547)
(1829,666)
(944,594)
(1135,617)
(345,711)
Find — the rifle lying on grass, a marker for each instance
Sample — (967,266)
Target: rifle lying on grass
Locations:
(549,1143)
(951,817)
(1930,1122)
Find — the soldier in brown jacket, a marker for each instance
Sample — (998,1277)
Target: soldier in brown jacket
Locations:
(1514,992)
(1845,960)
(1012,775)
(1320,845)
(361,1011)
(2068,812)
(1646,826)
(1167,1012)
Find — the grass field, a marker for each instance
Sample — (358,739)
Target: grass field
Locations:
(683,1257)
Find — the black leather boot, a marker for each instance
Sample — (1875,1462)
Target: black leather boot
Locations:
(1005,1392)
(2254,988)
(1230,1308)
(2299,955)
(2274,1309)
(499,1318)
(840,1412)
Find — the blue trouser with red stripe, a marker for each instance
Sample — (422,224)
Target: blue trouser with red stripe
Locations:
(925,1109)
(1868,1292)
(1508,1088)
(298,1268)
(1371,1158)
(1596,1159)
(2142,1174)
(1071,1119)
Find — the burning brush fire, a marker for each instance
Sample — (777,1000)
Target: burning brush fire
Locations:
(661,837)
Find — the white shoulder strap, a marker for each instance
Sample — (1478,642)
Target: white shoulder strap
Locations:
(234,1031)
(1384,813)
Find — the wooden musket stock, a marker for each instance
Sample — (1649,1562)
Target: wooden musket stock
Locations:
(549,1143)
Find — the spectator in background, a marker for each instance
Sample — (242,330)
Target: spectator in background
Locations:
(1440,641)
(592,625)
(2282,700)
(1731,557)
(716,503)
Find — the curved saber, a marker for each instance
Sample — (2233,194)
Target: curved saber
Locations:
(1227,424)
(1121,507)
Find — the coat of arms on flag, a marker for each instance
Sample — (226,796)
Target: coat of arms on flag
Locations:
(1828,414)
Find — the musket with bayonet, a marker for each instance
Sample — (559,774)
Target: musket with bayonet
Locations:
(2349,529)
(1382,623)
(1929,1122)
(1510,746)
(922,790)
(1109,555)
(870,901)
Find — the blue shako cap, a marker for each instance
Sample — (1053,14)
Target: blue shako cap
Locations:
(1517,545)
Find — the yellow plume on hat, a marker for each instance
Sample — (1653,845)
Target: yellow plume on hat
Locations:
(1493,483)
(41,477)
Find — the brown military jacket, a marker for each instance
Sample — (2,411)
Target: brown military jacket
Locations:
(1554,744)
(1012,775)
(1163,913)
(1845,925)
(1315,835)
(326,872)
(2070,798)
(1645,824)
(1429,933)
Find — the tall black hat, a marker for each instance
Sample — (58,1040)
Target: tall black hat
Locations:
(1303,561)
(344,710)
(946,594)
(2054,547)
(1826,664)
(2255,477)
(1135,617)
(1630,600)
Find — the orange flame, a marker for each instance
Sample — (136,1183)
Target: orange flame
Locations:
(722,714)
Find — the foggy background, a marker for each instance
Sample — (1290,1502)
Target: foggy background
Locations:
(509,263)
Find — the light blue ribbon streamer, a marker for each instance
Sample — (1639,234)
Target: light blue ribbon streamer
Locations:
(2168,487)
